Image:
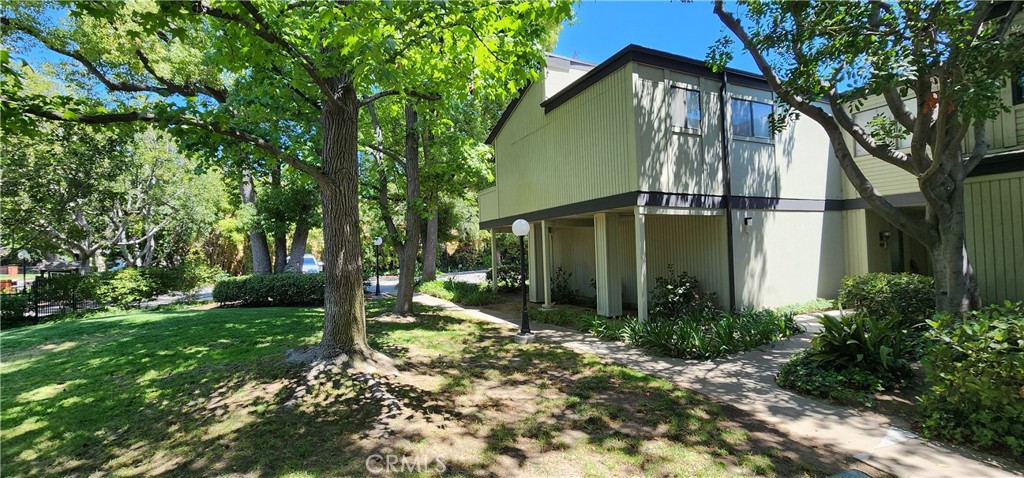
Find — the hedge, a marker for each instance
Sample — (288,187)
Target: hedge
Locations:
(271,290)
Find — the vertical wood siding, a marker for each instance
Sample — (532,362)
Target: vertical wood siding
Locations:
(995,235)
(1020,123)
(692,244)
(573,250)
(584,149)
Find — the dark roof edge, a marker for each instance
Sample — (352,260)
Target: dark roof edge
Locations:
(649,56)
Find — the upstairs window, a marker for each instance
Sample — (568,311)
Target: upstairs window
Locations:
(685,108)
(750,118)
(1018,90)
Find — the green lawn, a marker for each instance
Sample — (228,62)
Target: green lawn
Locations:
(202,392)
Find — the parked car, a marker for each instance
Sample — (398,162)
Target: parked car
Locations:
(310,265)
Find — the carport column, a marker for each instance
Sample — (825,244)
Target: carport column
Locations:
(494,259)
(533,255)
(546,241)
(609,288)
(641,263)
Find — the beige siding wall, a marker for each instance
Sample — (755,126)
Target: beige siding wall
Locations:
(786,257)
(995,235)
(855,239)
(573,250)
(692,244)
(488,202)
(584,149)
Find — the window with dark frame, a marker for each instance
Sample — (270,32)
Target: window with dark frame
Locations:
(1018,90)
(685,108)
(751,118)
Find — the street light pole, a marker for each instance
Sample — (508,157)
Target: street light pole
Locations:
(376,258)
(521,228)
(24,255)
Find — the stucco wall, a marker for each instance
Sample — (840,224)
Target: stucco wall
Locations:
(786,257)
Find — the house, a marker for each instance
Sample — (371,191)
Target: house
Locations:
(650,160)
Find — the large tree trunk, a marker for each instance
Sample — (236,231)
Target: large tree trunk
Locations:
(281,238)
(257,239)
(298,248)
(430,248)
(409,249)
(280,253)
(344,337)
(955,284)
(101,264)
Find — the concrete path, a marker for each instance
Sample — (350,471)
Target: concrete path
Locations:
(747,381)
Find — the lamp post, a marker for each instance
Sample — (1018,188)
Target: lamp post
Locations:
(521,228)
(24,256)
(376,259)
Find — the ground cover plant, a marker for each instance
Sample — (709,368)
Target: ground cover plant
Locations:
(199,392)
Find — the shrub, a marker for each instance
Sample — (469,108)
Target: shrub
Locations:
(882,295)
(271,290)
(561,291)
(508,278)
(711,335)
(705,337)
(463,293)
(858,341)
(679,295)
(813,377)
(127,287)
(13,308)
(976,368)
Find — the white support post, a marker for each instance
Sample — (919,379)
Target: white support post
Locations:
(640,234)
(609,287)
(545,238)
(533,254)
(494,259)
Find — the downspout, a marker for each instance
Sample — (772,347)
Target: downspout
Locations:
(727,184)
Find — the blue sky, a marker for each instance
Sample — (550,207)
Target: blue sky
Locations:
(604,27)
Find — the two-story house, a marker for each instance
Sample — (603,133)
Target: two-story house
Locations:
(650,160)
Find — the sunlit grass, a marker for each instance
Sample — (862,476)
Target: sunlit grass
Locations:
(204,392)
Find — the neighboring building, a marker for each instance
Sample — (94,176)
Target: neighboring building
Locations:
(620,169)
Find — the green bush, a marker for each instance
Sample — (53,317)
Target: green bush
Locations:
(125,288)
(707,336)
(813,377)
(463,293)
(859,341)
(975,366)
(561,291)
(271,290)
(882,295)
(13,308)
(680,295)
(508,278)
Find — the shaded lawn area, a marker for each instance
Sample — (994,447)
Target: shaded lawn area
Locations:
(203,392)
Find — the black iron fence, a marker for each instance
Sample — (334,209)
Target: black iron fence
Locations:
(49,294)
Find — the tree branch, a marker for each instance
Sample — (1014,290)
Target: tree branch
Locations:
(382,194)
(238,135)
(262,30)
(916,228)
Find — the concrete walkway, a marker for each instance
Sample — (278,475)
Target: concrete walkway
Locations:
(747,381)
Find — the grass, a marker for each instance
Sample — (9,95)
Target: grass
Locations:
(199,392)
(462,293)
(814,305)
